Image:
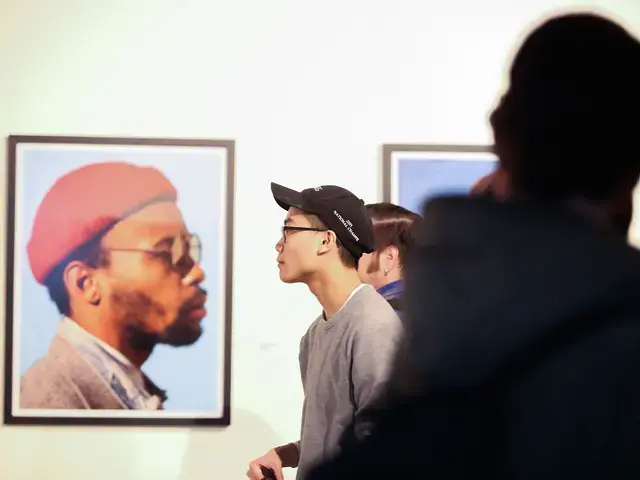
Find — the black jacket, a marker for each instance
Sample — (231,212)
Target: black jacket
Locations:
(523,352)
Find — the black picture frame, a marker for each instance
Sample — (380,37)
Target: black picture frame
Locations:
(225,148)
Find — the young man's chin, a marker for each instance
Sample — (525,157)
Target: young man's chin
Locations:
(288,278)
(285,279)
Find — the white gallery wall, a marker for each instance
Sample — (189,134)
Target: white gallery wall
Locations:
(309,89)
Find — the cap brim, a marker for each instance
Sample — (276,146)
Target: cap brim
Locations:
(286,198)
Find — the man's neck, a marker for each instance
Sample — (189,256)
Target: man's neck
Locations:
(120,340)
(332,288)
(392,277)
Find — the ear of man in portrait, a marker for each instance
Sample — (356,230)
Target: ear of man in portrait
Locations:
(110,245)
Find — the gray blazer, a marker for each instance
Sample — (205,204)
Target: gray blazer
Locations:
(63,379)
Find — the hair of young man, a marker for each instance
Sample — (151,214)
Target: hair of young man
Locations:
(346,258)
(91,254)
(394,225)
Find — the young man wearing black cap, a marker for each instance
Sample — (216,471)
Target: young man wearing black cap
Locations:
(346,354)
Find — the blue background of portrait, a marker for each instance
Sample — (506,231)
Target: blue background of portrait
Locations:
(421,178)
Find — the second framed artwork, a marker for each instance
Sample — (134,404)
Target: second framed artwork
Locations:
(414,173)
(118,281)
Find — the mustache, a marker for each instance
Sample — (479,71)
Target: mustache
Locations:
(196,301)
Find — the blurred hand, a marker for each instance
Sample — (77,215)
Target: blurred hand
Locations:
(269,460)
(495,185)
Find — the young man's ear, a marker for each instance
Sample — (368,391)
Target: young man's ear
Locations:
(392,253)
(389,258)
(329,241)
(82,282)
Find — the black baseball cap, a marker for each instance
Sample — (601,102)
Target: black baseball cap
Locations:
(339,209)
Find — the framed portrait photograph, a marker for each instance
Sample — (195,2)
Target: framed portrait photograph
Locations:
(413,173)
(118,281)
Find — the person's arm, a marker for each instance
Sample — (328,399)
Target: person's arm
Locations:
(274,461)
(375,346)
(289,454)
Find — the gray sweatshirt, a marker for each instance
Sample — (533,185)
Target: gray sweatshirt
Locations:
(344,363)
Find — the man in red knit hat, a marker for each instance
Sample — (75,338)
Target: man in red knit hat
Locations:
(111,247)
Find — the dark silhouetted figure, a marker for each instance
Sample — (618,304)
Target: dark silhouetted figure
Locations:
(523,308)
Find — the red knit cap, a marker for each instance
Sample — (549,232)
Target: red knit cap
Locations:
(83,202)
